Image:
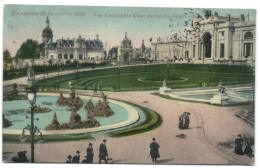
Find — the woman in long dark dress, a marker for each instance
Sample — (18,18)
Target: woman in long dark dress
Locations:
(187,121)
(181,122)
(248,150)
(239,145)
(154,152)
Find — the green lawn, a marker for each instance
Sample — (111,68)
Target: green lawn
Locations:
(209,75)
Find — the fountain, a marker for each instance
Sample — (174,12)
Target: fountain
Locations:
(164,88)
(125,116)
(221,98)
(6,123)
(54,124)
(102,108)
(214,95)
(72,101)
(75,119)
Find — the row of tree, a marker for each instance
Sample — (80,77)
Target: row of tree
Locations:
(30,49)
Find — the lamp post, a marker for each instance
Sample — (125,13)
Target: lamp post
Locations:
(31,94)
(168,68)
(119,76)
(44,73)
(77,74)
(58,68)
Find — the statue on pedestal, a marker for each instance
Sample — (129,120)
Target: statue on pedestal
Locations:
(30,74)
(164,88)
(222,90)
(164,83)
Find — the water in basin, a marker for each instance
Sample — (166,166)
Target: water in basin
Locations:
(204,96)
(15,111)
(247,95)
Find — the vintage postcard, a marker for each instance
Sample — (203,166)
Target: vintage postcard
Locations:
(133,85)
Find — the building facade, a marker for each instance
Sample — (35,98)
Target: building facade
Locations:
(70,50)
(168,51)
(216,39)
(142,53)
(125,51)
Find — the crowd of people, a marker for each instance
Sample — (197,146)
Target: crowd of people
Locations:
(103,154)
(20,158)
(184,120)
(239,147)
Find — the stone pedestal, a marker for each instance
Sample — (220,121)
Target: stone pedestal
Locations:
(164,89)
(219,99)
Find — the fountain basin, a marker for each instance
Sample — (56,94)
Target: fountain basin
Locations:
(124,115)
(212,96)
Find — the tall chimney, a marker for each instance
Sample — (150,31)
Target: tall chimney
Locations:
(242,18)
(228,17)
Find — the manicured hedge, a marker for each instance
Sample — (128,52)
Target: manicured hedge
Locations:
(152,121)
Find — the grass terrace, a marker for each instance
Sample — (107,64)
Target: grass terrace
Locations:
(150,77)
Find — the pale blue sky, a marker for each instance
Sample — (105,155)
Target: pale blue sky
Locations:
(18,28)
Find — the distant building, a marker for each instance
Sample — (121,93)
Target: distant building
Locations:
(216,39)
(168,51)
(64,50)
(142,53)
(125,51)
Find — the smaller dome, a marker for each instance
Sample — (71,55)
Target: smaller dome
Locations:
(80,39)
(126,40)
(47,31)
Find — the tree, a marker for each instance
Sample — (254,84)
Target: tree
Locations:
(7,58)
(29,50)
(113,53)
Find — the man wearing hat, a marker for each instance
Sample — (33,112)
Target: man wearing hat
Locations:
(154,152)
(103,152)
(90,153)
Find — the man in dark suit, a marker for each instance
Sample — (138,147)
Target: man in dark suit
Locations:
(90,153)
(103,152)
(154,152)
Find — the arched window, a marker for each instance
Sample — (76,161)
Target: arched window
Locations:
(65,56)
(80,57)
(248,35)
(71,56)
